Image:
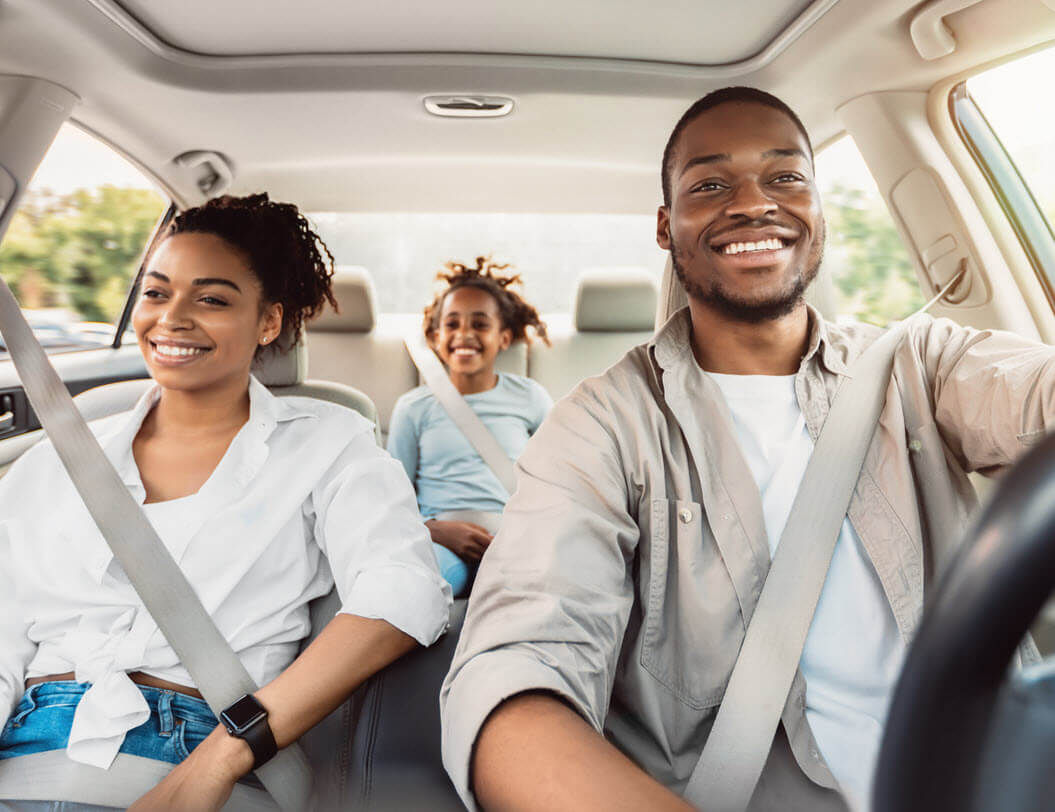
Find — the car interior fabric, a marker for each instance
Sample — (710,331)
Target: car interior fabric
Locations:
(614,309)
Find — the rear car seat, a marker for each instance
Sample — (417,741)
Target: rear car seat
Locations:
(614,310)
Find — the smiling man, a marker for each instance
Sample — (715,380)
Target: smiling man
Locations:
(616,597)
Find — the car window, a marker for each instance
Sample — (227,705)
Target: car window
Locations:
(403,252)
(1012,137)
(75,242)
(874,278)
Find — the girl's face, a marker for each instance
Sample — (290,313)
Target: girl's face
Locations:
(471,332)
(200,315)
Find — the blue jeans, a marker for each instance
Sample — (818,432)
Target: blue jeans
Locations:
(42,721)
(454,571)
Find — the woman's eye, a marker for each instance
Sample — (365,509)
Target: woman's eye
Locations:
(214,300)
(152,293)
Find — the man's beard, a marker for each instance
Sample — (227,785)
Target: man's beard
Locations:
(752,312)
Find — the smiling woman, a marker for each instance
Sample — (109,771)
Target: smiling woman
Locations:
(208,453)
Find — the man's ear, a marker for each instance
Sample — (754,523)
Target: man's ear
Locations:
(663,228)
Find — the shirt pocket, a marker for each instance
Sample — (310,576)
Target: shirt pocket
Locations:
(693,626)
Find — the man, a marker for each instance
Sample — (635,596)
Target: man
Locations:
(651,501)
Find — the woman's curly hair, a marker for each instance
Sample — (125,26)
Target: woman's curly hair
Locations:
(517,315)
(291,261)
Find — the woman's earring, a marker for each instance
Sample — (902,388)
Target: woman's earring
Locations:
(265,339)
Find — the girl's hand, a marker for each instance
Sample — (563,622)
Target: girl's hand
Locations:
(466,540)
(204,780)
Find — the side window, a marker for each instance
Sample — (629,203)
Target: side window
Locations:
(1012,136)
(873,274)
(74,244)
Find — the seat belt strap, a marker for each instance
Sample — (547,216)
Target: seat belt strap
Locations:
(738,745)
(460,412)
(215,668)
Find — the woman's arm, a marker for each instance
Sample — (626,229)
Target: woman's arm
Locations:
(367,524)
(344,655)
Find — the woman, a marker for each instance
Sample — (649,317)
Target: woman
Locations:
(475,317)
(248,491)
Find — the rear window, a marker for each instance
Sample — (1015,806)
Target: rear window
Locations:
(404,252)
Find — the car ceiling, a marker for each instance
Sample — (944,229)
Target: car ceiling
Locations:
(321,102)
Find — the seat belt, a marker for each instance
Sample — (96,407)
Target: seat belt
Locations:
(460,412)
(738,745)
(213,665)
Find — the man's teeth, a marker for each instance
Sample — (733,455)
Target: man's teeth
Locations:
(177,352)
(773,244)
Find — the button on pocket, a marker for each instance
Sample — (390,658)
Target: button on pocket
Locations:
(693,627)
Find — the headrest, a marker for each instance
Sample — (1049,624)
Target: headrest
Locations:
(285,363)
(615,300)
(354,291)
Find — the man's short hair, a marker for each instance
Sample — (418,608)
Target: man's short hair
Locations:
(725,95)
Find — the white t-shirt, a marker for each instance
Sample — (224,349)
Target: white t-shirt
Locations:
(853,651)
(302,500)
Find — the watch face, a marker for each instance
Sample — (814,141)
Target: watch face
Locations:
(242,714)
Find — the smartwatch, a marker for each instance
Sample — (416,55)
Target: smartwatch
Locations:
(246,719)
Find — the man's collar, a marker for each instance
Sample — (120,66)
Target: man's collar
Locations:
(674,339)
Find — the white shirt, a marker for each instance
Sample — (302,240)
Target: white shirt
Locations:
(853,651)
(302,491)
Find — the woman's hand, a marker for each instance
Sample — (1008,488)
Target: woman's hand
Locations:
(466,540)
(204,780)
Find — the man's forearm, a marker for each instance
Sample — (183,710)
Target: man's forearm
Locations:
(534,752)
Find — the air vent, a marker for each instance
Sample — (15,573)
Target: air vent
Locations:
(469,106)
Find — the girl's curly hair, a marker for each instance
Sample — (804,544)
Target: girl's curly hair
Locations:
(291,261)
(516,314)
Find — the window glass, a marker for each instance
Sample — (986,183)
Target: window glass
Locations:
(403,252)
(74,244)
(1025,125)
(873,274)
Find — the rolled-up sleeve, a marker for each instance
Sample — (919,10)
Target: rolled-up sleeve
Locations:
(553,594)
(993,391)
(367,524)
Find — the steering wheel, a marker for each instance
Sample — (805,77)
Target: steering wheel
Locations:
(958,737)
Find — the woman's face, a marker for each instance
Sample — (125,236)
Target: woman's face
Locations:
(471,332)
(200,315)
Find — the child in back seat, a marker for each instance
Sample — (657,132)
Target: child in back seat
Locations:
(467,325)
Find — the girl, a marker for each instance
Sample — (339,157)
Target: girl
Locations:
(248,492)
(467,325)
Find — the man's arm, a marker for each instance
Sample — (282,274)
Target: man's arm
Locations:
(993,392)
(551,600)
(534,752)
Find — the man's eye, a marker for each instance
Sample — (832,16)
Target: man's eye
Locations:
(788,177)
(707,186)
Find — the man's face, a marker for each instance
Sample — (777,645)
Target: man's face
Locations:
(744,226)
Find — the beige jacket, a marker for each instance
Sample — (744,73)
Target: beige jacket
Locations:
(633,553)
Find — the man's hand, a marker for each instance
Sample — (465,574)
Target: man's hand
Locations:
(466,540)
(204,780)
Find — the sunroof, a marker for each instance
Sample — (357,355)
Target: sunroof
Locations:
(695,32)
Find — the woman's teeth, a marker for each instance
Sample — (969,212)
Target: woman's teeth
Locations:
(773,244)
(177,352)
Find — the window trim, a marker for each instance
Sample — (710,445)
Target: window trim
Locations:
(1010,189)
(130,300)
